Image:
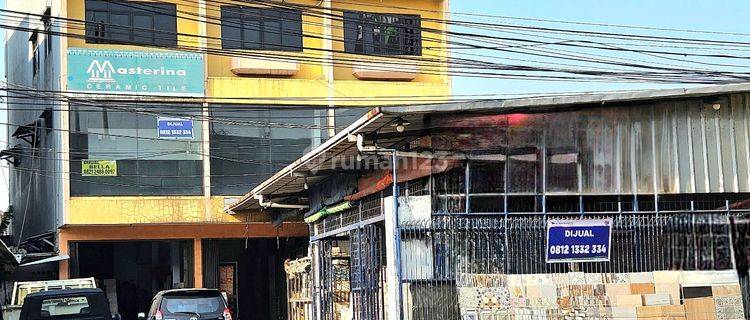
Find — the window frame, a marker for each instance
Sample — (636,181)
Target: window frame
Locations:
(138,172)
(355,22)
(255,152)
(243,18)
(67,313)
(158,36)
(35,64)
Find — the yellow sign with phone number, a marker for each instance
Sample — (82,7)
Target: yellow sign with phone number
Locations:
(99,168)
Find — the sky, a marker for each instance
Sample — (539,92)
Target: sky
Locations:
(718,15)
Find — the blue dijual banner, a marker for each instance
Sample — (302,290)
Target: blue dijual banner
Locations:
(170,73)
(582,240)
(175,128)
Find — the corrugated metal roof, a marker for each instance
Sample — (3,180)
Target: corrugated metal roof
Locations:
(559,101)
(377,120)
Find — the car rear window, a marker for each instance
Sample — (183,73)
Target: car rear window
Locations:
(193,303)
(65,306)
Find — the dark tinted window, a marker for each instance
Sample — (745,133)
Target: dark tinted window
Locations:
(201,303)
(261,28)
(128,141)
(126,22)
(247,146)
(346,116)
(385,34)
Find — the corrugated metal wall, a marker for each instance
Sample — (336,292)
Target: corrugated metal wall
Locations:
(669,147)
(685,146)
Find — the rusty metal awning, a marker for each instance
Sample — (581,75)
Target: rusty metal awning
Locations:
(322,161)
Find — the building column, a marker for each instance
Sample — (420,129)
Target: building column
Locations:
(198,263)
(393,298)
(316,282)
(64,265)
(394,292)
(328,67)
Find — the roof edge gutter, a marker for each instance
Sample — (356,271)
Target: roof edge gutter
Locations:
(275,205)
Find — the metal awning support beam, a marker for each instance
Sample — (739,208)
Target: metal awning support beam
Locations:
(394,296)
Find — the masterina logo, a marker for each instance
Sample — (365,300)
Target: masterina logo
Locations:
(101,72)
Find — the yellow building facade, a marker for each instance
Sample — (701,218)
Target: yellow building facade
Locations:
(312,80)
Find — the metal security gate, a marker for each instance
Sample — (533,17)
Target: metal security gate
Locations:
(334,287)
(368,272)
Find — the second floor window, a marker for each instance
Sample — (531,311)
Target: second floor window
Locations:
(127,22)
(261,28)
(128,140)
(382,34)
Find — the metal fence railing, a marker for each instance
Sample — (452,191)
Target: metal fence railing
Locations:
(435,253)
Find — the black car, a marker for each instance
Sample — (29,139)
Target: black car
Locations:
(79,304)
(188,304)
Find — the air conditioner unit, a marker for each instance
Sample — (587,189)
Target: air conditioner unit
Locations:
(384,70)
(267,67)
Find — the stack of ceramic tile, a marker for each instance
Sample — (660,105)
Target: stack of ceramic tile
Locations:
(676,295)
(712,290)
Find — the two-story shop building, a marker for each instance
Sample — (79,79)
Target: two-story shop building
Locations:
(134,123)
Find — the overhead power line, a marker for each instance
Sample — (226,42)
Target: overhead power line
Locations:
(622,76)
(504,17)
(588,75)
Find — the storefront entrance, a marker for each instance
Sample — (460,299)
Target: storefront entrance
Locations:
(251,273)
(132,272)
